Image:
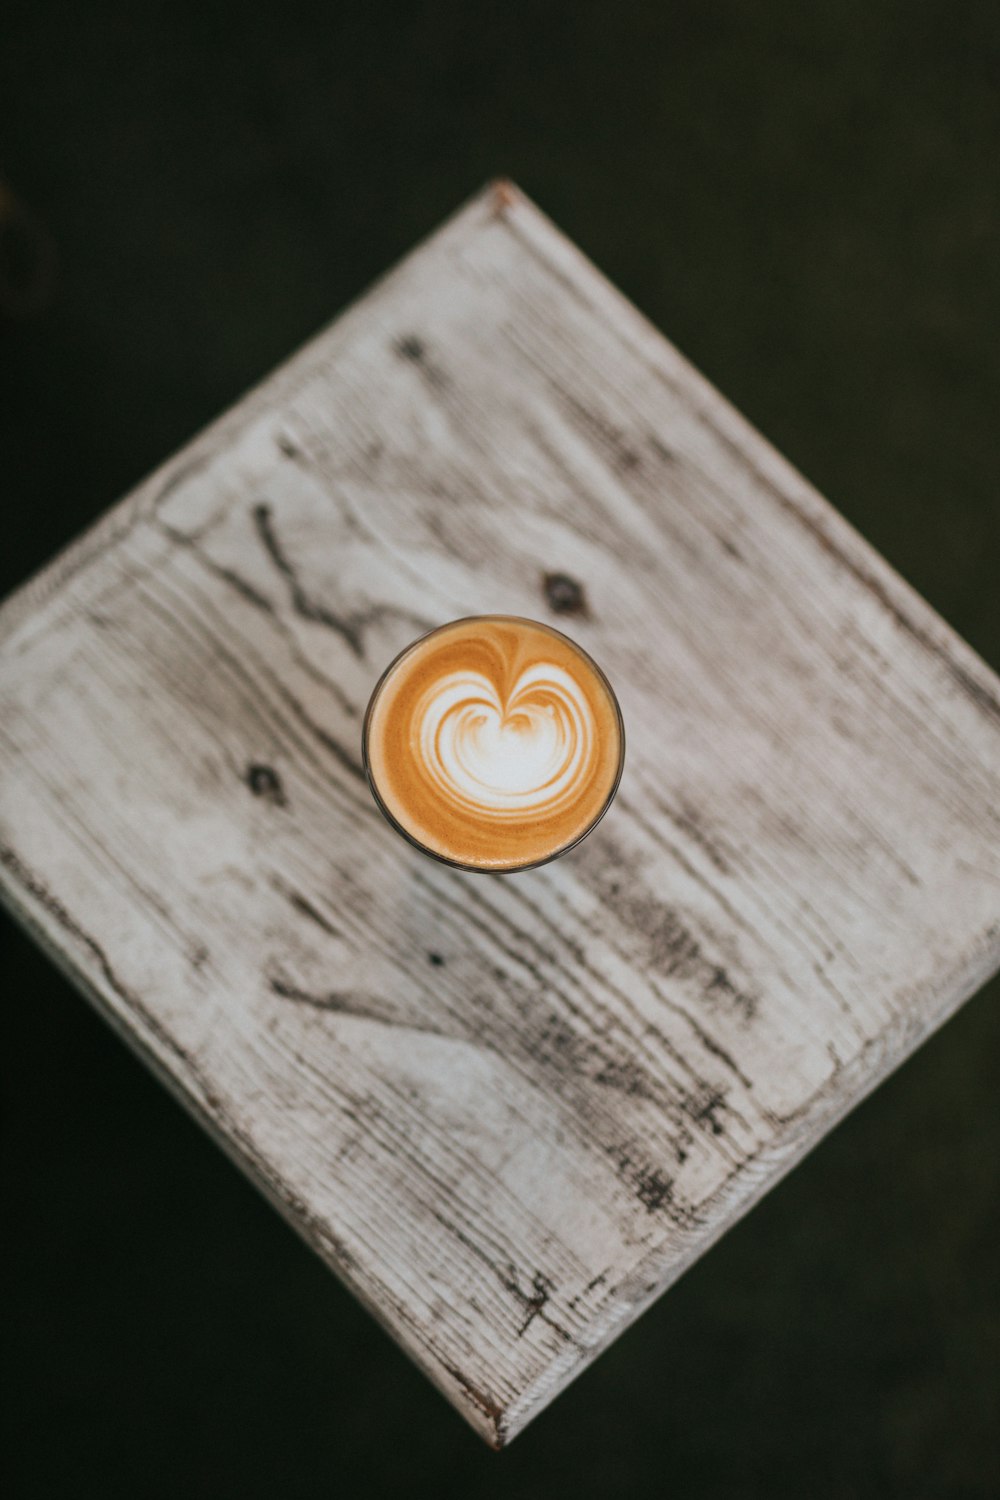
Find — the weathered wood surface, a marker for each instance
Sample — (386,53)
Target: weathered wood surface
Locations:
(508,1111)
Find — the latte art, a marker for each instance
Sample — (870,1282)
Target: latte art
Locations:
(507,759)
(494,742)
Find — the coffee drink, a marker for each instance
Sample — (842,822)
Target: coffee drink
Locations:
(494,743)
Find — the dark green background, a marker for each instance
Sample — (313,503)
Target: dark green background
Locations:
(805,198)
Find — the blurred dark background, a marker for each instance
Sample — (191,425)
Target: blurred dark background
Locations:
(805,198)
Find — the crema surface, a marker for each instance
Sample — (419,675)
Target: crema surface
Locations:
(494,742)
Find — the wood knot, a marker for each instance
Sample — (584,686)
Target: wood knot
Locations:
(265,782)
(410,347)
(565,596)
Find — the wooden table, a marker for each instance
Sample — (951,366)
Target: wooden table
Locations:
(507,1111)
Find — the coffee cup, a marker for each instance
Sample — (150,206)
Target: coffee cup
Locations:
(494,743)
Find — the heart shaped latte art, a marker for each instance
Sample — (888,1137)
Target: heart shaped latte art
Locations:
(522,756)
(494,743)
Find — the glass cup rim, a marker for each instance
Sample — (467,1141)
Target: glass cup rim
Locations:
(457,864)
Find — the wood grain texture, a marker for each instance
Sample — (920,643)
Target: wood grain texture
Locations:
(508,1111)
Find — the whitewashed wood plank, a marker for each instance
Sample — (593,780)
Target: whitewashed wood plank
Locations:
(508,1111)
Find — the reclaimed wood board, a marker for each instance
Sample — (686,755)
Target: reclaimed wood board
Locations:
(507,1111)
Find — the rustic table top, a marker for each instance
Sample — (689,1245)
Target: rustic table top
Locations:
(508,1111)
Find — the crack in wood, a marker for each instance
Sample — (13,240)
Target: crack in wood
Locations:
(359,1004)
(349,630)
(252,595)
(232,579)
(305,907)
(351,626)
(541,1289)
(533,1302)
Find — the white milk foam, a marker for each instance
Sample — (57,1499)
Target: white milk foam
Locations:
(500,760)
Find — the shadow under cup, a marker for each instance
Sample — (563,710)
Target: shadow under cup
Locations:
(493,743)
